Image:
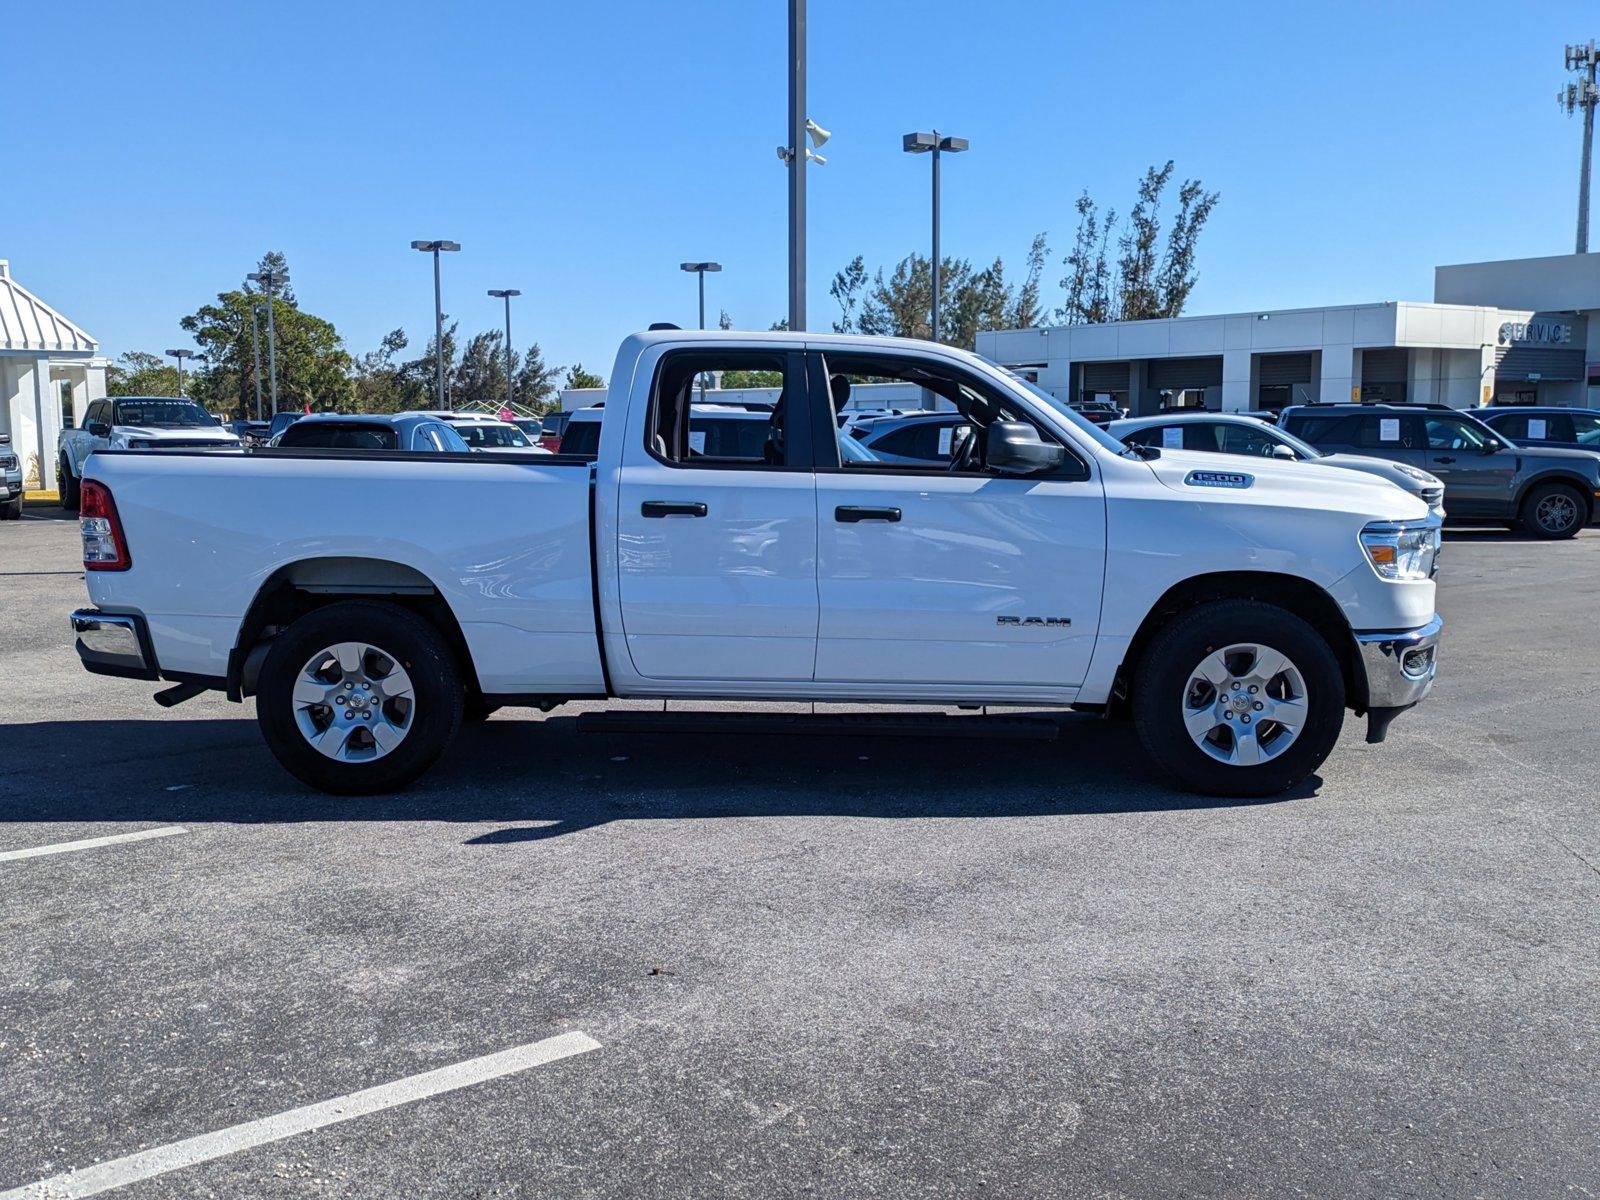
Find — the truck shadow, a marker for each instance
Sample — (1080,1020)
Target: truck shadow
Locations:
(543,779)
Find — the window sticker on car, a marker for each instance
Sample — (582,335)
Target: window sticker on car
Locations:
(1389,429)
(946,435)
(697,442)
(1172,437)
(1536,427)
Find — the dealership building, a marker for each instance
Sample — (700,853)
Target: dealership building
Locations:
(1522,331)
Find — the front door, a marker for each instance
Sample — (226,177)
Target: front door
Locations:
(946,573)
(717,536)
(1478,471)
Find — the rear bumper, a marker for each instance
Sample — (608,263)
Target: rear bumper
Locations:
(114,644)
(1400,665)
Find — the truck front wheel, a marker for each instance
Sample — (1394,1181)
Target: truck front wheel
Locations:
(359,697)
(1238,698)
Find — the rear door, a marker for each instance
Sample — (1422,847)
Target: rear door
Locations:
(948,574)
(717,536)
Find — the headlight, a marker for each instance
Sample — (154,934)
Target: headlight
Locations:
(1401,550)
(1421,477)
(8,462)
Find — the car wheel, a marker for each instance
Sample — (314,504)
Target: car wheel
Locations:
(1552,511)
(11,510)
(359,697)
(68,483)
(1238,698)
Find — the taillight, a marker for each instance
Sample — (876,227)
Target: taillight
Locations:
(105,548)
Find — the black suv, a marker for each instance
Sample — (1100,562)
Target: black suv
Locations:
(1552,492)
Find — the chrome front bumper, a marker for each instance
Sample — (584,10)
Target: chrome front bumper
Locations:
(114,644)
(1400,666)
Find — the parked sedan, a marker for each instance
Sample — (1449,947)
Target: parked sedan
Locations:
(495,437)
(402,431)
(1238,433)
(1573,428)
(916,438)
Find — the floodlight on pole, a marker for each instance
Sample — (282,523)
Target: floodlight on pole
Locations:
(180,355)
(700,269)
(255,347)
(269,281)
(795,155)
(934,143)
(434,247)
(506,294)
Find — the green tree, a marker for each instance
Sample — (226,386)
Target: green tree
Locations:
(137,373)
(577,377)
(536,379)
(381,382)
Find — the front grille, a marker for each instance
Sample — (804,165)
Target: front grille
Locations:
(1432,496)
(177,444)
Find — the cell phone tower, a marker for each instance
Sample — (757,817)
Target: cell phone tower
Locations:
(1581,94)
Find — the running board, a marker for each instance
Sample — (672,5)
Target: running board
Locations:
(933,725)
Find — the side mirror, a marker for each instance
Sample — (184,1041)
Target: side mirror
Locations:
(5,439)
(1282,451)
(98,429)
(1015,448)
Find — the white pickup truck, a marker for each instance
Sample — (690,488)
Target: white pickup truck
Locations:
(135,423)
(1233,607)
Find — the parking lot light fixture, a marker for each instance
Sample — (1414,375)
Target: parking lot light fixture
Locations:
(180,355)
(936,144)
(506,294)
(700,269)
(435,247)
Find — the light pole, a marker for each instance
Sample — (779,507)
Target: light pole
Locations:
(269,280)
(1583,94)
(434,247)
(923,143)
(795,155)
(255,348)
(506,294)
(700,269)
(180,355)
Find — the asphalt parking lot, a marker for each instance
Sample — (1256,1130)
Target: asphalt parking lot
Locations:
(808,966)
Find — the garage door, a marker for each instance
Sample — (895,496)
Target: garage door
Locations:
(1284,370)
(1105,377)
(1174,374)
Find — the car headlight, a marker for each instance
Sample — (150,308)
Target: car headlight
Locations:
(1421,477)
(1401,550)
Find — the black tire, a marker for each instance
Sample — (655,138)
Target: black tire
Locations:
(1553,511)
(11,510)
(1161,685)
(398,633)
(71,492)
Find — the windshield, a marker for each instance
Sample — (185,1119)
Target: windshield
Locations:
(1088,428)
(162,414)
(499,436)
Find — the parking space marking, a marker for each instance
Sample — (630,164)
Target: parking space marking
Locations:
(115,839)
(147,1164)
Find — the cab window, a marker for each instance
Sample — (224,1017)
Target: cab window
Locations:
(682,431)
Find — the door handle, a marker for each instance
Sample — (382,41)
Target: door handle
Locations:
(672,508)
(852,513)
(1444,458)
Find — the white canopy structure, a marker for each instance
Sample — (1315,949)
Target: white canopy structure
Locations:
(50,369)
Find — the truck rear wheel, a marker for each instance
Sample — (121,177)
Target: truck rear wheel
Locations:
(68,483)
(359,697)
(1238,698)
(11,510)
(1552,511)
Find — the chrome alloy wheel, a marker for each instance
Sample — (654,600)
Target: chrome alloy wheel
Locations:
(1245,704)
(353,702)
(1556,513)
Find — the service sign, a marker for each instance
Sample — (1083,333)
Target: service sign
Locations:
(1535,333)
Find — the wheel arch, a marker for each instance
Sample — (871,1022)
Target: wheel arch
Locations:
(308,584)
(1305,599)
(1577,483)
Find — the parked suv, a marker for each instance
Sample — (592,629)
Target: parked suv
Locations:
(1572,428)
(1551,493)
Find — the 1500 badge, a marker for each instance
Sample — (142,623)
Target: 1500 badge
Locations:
(1021,621)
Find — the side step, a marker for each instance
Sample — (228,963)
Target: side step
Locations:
(934,725)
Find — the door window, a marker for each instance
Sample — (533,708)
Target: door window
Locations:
(1378,432)
(683,431)
(1586,428)
(1241,439)
(951,443)
(1452,433)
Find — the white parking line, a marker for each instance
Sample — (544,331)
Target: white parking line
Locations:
(147,1164)
(115,839)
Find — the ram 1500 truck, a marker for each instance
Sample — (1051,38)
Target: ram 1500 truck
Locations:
(1233,607)
(136,423)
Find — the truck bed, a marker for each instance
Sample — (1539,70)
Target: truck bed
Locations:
(503,539)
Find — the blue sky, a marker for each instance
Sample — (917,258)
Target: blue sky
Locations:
(581,151)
